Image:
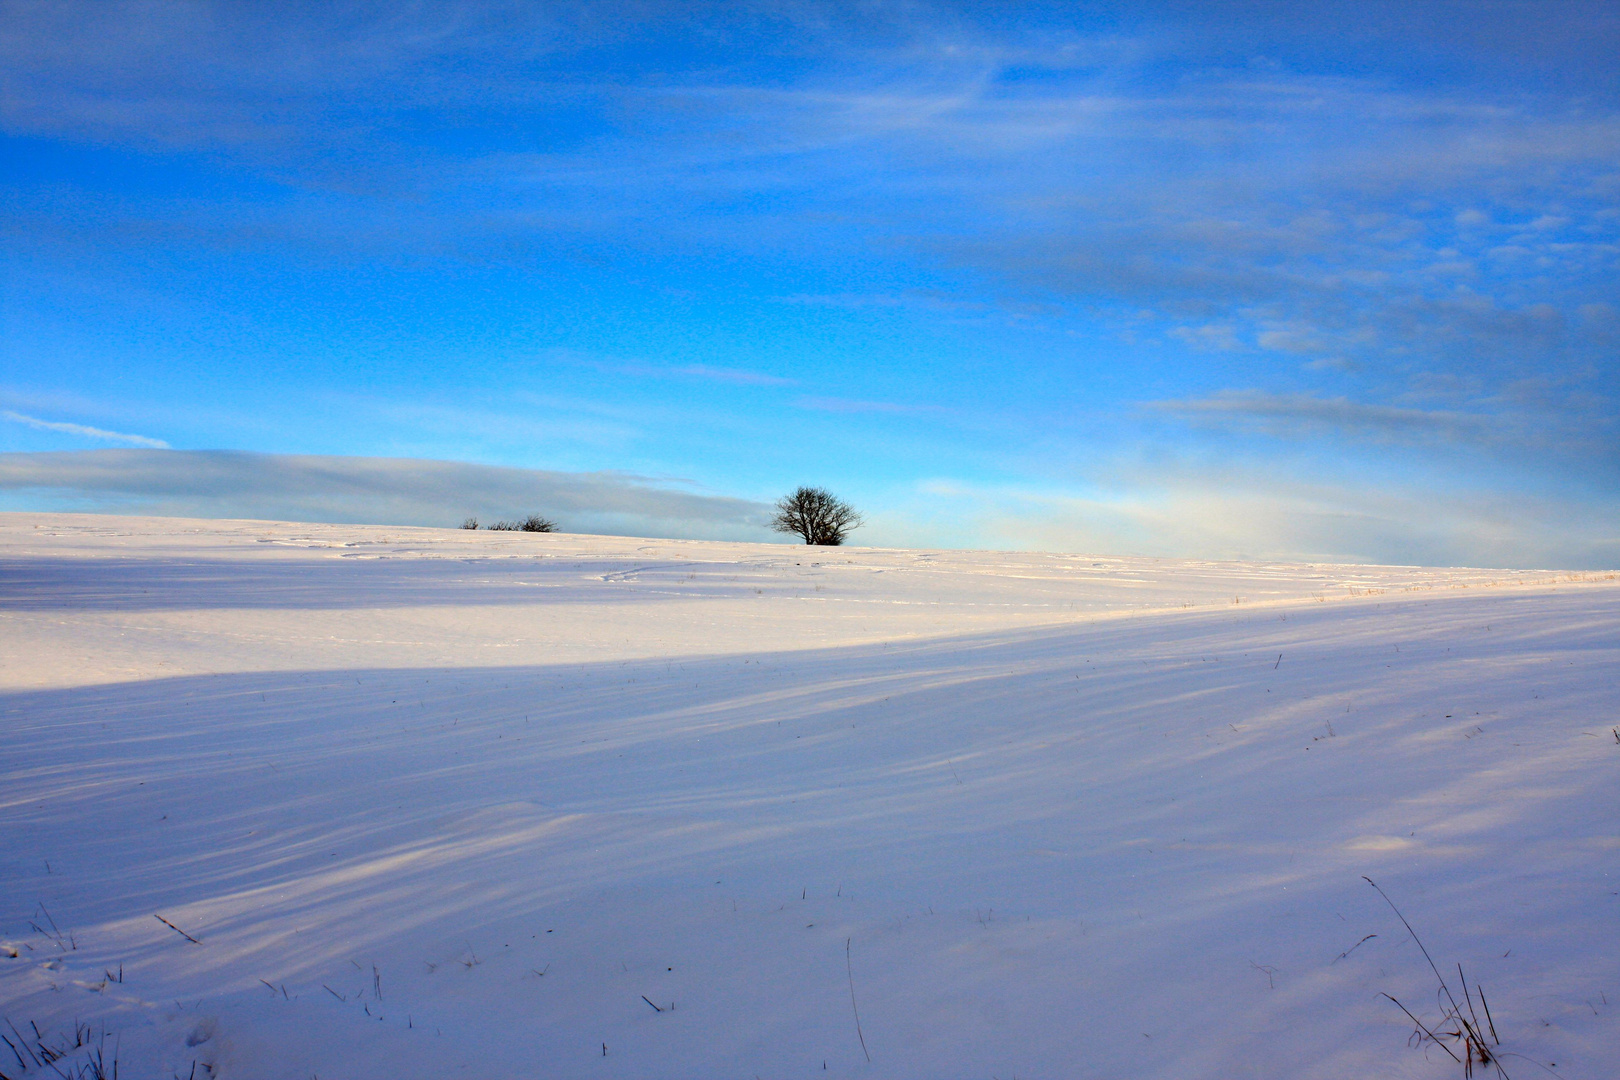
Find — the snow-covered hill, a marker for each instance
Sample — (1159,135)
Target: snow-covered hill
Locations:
(353,801)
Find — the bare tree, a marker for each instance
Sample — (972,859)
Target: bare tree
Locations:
(817,515)
(470,523)
(532,523)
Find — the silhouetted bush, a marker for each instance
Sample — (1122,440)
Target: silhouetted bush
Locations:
(532,523)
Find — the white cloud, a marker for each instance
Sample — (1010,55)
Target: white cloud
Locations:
(81,430)
(1332,363)
(1219,336)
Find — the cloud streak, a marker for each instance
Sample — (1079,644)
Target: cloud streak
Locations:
(1301,414)
(854,406)
(705,372)
(81,430)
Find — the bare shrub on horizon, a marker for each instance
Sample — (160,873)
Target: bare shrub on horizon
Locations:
(816,515)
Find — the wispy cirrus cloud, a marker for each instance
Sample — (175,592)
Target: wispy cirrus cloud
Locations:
(706,372)
(81,430)
(858,405)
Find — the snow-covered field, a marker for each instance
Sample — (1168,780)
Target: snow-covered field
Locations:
(438,803)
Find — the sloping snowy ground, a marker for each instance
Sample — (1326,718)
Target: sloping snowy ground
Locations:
(437,803)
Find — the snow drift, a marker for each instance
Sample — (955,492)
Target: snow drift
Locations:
(290,800)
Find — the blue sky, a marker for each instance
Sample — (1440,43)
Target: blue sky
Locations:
(1307,280)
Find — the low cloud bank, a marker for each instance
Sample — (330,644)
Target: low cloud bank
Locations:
(392,491)
(1170,512)
(1180,514)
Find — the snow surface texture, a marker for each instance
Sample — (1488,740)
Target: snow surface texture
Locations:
(442,803)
